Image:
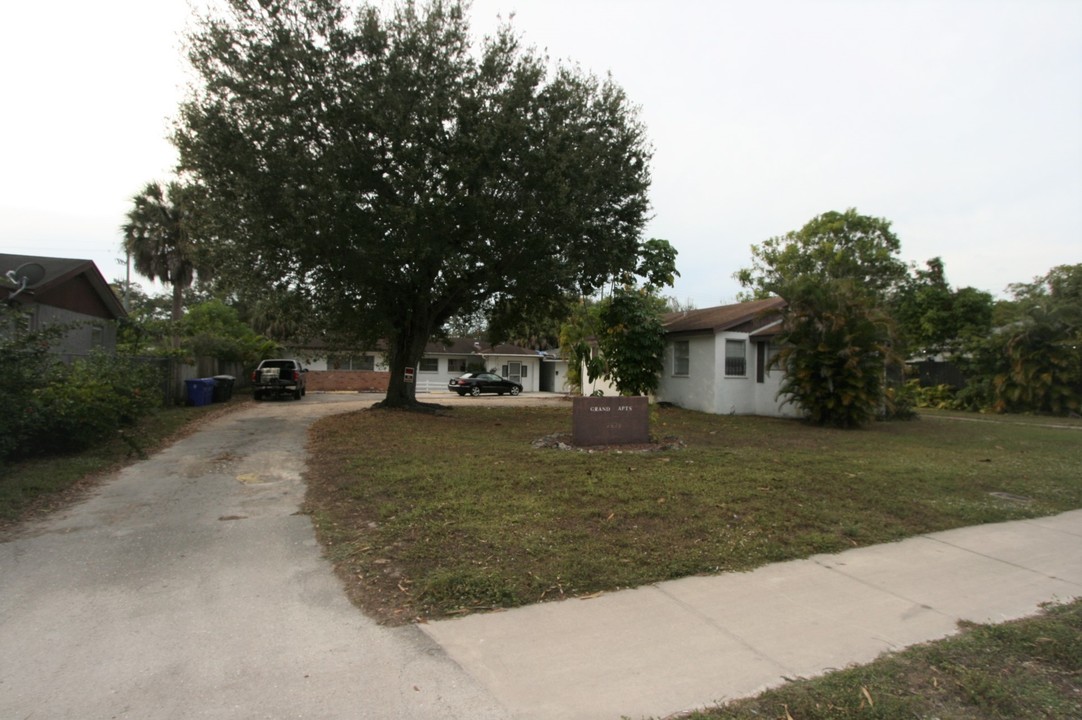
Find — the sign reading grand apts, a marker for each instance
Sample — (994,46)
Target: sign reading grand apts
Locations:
(610,421)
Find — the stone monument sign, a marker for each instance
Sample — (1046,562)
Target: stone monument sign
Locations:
(610,421)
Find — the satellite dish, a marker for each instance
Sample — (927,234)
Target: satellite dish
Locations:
(24,276)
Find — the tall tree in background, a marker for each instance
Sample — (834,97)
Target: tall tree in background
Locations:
(159,239)
(934,318)
(831,246)
(836,274)
(394,176)
(1039,352)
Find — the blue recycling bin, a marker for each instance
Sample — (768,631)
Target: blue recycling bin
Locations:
(200,391)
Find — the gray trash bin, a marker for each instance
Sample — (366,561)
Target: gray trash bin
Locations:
(223,387)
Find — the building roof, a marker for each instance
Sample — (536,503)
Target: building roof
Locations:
(723,317)
(471,346)
(68,283)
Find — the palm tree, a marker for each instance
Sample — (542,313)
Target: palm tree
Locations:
(1044,354)
(157,237)
(836,351)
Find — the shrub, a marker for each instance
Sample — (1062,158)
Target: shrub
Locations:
(50,407)
(89,401)
(940,397)
(900,402)
(27,366)
(836,352)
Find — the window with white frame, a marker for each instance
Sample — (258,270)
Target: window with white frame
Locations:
(429,365)
(456,365)
(736,358)
(681,358)
(363,362)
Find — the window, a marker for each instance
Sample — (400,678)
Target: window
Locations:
(351,362)
(513,371)
(764,356)
(429,365)
(681,357)
(456,365)
(736,363)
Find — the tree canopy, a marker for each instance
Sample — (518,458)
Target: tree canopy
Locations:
(933,318)
(831,246)
(158,236)
(393,174)
(631,337)
(1037,356)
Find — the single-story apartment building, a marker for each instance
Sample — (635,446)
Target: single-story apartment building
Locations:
(717,360)
(367,370)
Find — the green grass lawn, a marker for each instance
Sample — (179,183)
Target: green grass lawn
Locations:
(429,516)
(437,515)
(1024,670)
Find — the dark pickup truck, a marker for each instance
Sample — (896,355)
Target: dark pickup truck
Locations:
(279,377)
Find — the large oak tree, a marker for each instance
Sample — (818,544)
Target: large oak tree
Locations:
(392,173)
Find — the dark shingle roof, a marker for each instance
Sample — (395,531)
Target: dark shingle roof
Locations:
(723,317)
(469,346)
(58,273)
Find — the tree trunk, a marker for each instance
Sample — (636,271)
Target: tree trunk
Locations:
(178,303)
(406,352)
(174,340)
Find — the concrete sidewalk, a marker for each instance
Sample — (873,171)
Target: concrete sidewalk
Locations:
(691,643)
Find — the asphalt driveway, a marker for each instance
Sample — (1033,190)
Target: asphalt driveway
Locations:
(188,586)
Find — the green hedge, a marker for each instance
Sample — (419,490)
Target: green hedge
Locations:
(50,407)
(87,401)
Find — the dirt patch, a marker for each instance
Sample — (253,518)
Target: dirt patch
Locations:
(563,441)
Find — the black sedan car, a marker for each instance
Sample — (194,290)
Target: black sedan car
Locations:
(477,383)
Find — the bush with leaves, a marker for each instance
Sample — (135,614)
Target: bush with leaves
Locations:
(632,341)
(836,350)
(28,366)
(938,397)
(214,329)
(88,401)
(1032,361)
(1037,355)
(1043,372)
(53,407)
(626,325)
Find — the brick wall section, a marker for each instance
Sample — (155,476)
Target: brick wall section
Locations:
(348,380)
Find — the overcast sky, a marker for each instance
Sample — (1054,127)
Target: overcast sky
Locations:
(958,121)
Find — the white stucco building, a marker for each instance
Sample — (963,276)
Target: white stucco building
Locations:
(717,360)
